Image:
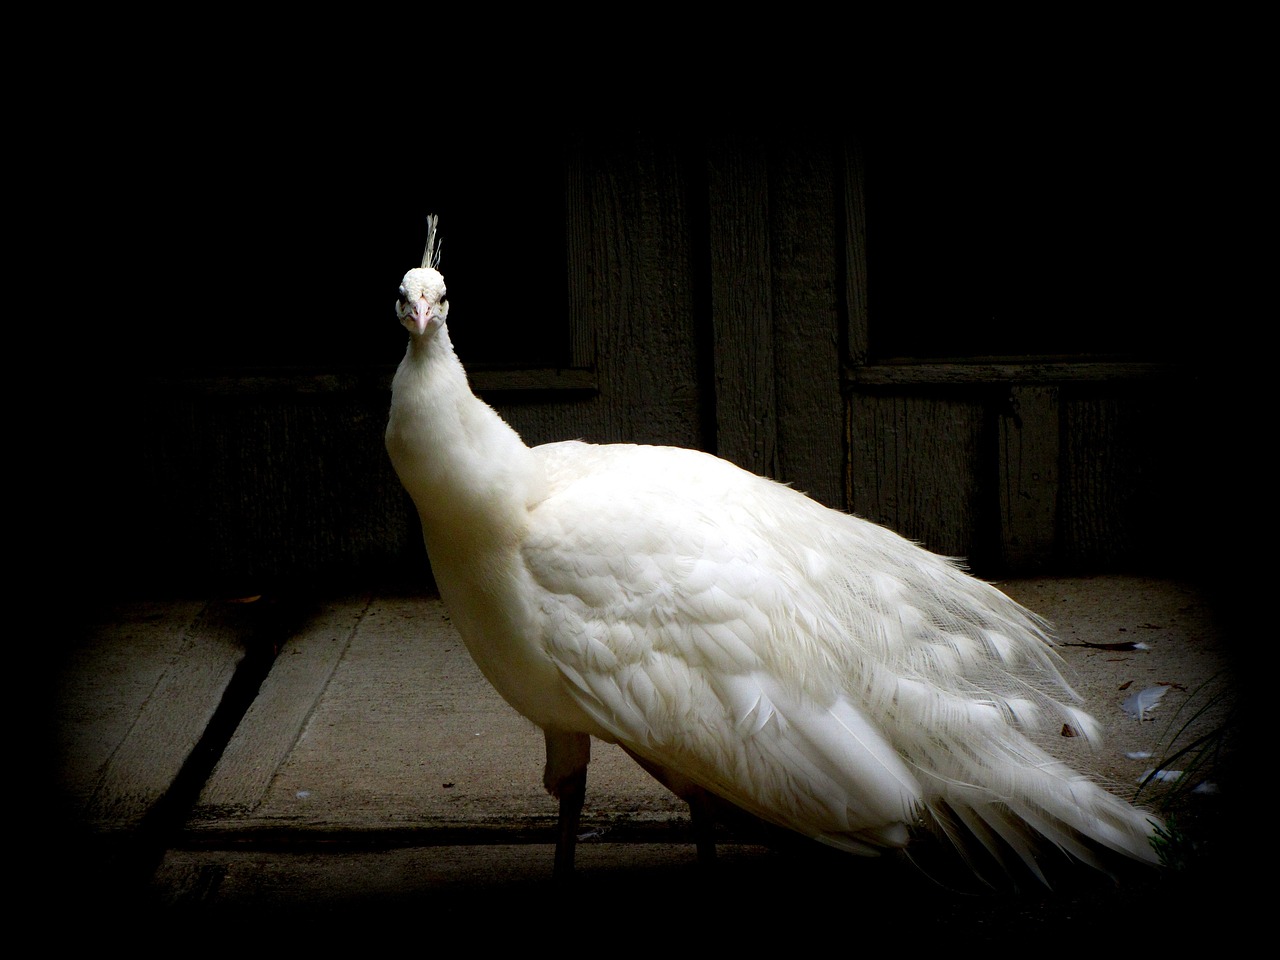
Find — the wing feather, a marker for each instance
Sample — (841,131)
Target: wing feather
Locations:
(815,670)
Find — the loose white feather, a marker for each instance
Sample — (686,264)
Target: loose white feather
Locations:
(1139,705)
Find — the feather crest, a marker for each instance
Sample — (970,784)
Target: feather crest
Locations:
(431,255)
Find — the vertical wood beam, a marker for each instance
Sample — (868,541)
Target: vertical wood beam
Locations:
(1028,478)
(742,305)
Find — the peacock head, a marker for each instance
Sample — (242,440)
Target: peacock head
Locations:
(422,306)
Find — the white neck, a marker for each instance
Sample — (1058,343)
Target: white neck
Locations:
(470,475)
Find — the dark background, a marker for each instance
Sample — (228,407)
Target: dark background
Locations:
(256,239)
(226,229)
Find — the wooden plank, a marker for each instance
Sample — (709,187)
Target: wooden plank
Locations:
(165,726)
(806,321)
(858,336)
(741,305)
(1033,370)
(1102,510)
(582,335)
(393,728)
(915,466)
(1143,477)
(103,679)
(275,719)
(636,287)
(1028,479)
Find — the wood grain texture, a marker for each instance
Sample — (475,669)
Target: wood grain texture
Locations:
(858,333)
(634,284)
(717,299)
(742,316)
(1028,478)
(806,321)
(915,466)
(1102,513)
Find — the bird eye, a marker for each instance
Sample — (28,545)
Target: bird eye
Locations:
(404,294)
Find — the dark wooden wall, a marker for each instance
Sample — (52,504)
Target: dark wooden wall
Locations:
(716,294)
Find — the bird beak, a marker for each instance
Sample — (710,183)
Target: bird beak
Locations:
(421,316)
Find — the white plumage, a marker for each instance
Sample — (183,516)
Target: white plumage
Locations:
(743,642)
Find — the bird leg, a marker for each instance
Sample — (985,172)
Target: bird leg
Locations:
(704,838)
(565,778)
(702,805)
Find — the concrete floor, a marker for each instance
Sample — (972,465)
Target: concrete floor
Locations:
(221,761)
